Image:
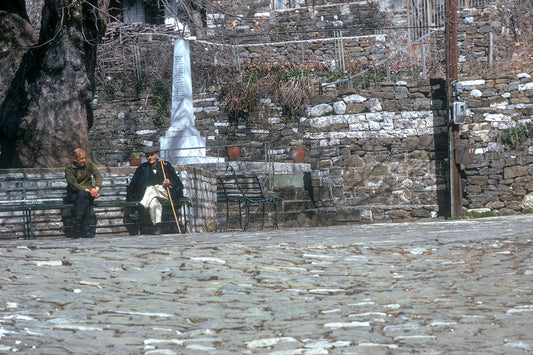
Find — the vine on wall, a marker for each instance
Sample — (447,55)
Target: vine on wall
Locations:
(161,99)
(516,136)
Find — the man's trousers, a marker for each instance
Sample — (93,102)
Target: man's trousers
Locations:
(150,201)
(83,201)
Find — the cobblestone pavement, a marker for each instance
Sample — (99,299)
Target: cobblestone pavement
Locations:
(455,287)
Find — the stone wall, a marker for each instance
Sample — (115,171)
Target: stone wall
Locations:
(360,49)
(305,34)
(501,174)
(124,123)
(255,19)
(490,37)
(199,186)
(399,156)
(380,154)
(126,117)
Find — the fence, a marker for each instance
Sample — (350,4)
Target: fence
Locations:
(425,15)
(414,61)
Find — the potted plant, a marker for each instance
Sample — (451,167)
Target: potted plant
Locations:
(135,159)
(233,143)
(298,150)
(233,152)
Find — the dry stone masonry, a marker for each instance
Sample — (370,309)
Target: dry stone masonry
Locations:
(501,178)
(371,164)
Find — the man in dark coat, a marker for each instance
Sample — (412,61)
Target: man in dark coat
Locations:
(149,186)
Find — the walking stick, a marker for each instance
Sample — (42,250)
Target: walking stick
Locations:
(170,198)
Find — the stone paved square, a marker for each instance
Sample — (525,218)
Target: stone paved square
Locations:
(448,287)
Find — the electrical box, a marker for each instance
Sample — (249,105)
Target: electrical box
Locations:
(459,112)
(464,154)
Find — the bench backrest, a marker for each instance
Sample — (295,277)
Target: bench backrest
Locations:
(239,187)
(54,190)
(250,186)
(228,188)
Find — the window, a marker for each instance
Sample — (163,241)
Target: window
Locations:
(283,4)
(138,11)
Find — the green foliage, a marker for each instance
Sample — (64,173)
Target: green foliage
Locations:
(482,214)
(476,214)
(336,75)
(250,77)
(294,73)
(110,90)
(516,136)
(161,99)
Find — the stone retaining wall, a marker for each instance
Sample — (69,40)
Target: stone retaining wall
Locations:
(255,19)
(488,37)
(390,149)
(125,119)
(380,154)
(502,174)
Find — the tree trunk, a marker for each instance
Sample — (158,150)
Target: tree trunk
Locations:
(17,36)
(46,111)
(198,17)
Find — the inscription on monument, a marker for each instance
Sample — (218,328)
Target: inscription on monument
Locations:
(177,78)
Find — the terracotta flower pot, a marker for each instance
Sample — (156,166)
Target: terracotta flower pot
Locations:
(135,161)
(233,153)
(298,154)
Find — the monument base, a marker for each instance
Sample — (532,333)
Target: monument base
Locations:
(196,160)
(180,149)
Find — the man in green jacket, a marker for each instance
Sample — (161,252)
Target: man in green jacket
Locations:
(81,190)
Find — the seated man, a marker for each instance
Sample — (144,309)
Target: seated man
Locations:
(150,184)
(80,189)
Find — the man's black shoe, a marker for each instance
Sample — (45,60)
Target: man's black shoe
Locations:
(157,230)
(88,234)
(136,216)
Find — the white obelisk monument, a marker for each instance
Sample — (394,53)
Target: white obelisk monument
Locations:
(182,143)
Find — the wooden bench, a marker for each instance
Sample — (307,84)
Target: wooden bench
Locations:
(245,191)
(23,198)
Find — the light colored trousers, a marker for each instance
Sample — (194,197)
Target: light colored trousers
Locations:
(150,201)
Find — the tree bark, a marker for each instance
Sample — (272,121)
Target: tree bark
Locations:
(17,37)
(46,111)
(198,17)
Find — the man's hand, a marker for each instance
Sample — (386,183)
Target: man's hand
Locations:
(94,192)
(166,182)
